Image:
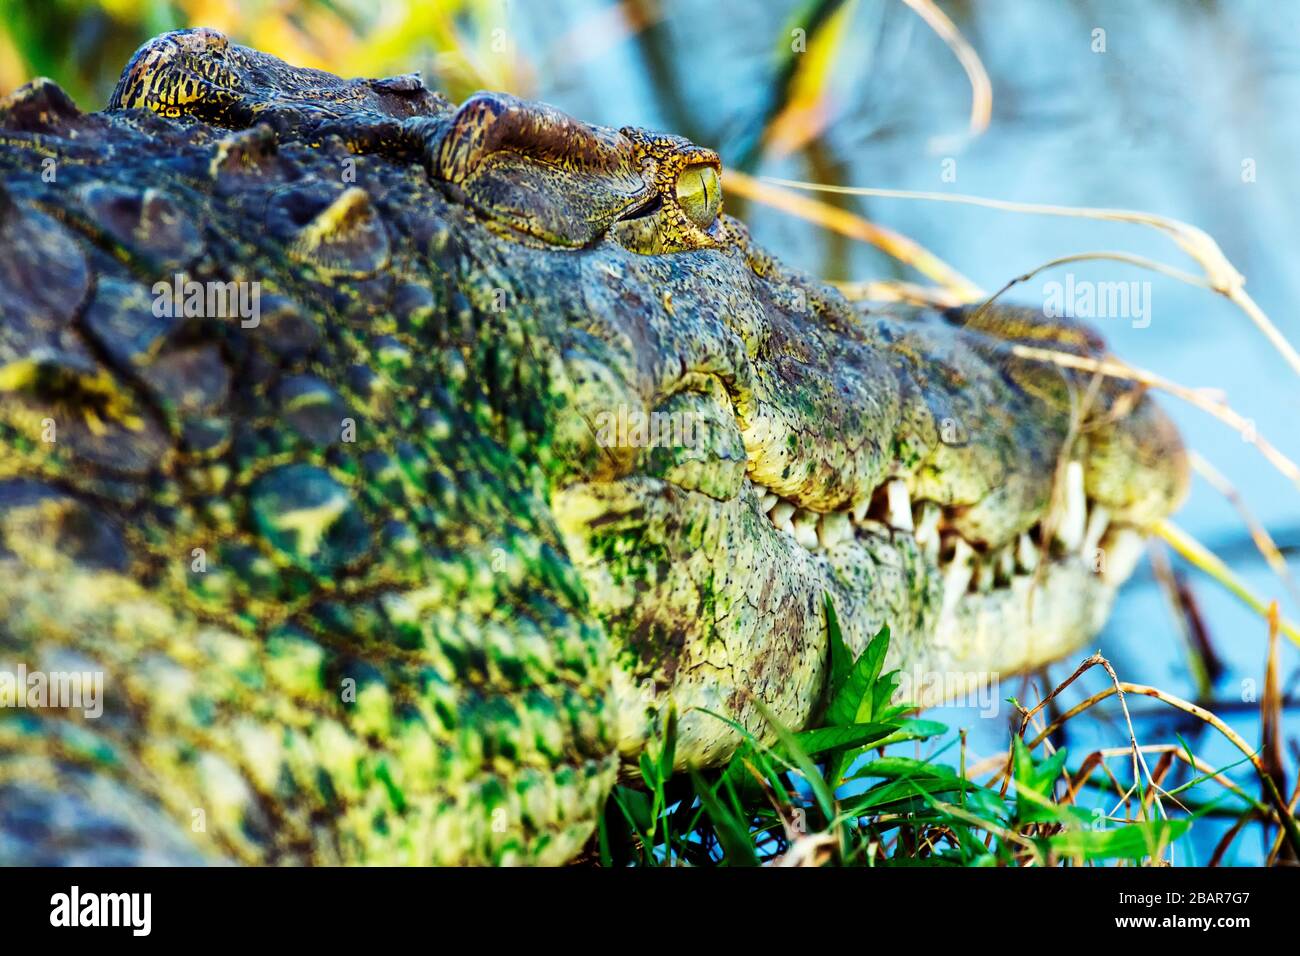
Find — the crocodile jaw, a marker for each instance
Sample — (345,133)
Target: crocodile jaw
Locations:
(724,609)
(824,471)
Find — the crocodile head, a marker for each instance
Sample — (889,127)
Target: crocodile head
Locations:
(737,444)
(607,455)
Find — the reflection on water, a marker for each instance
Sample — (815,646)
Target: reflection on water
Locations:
(1189,112)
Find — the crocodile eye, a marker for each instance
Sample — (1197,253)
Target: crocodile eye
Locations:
(699,193)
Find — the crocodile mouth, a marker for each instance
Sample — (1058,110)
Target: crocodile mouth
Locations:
(832,481)
(721,601)
(1080,531)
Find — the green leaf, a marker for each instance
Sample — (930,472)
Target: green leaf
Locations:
(854,700)
(668,753)
(733,833)
(914,728)
(825,798)
(636,807)
(1023,764)
(858,695)
(866,736)
(1049,771)
(1039,777)
(649,770)
(829,739)
(1035,783)
(894,768)
(841,655)
(602,830)
(882,694)
(987,805)
(915,793)
(1133,841)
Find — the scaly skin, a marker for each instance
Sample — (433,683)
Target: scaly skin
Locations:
(381,578)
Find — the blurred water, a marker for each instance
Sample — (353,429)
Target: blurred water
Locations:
(1163,120)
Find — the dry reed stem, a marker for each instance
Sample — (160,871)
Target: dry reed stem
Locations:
(1202,558)
(1220,275)
(905,250)
(981,106)
(1121,687)
(1264,542)
(1207,400)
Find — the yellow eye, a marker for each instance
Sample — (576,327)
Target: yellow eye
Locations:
(699,192)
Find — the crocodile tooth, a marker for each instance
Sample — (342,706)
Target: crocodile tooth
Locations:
(781,515)
(1098,522)
(767,501)
(805,529)
(1123,550)
(1074,516)
(927,530)
(984,573)
(900,505)
(1005,562)
(957,576)
(927,526)
(1026,552)
(834,528)
(860,510)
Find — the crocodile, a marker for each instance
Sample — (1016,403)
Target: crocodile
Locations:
(383,470)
